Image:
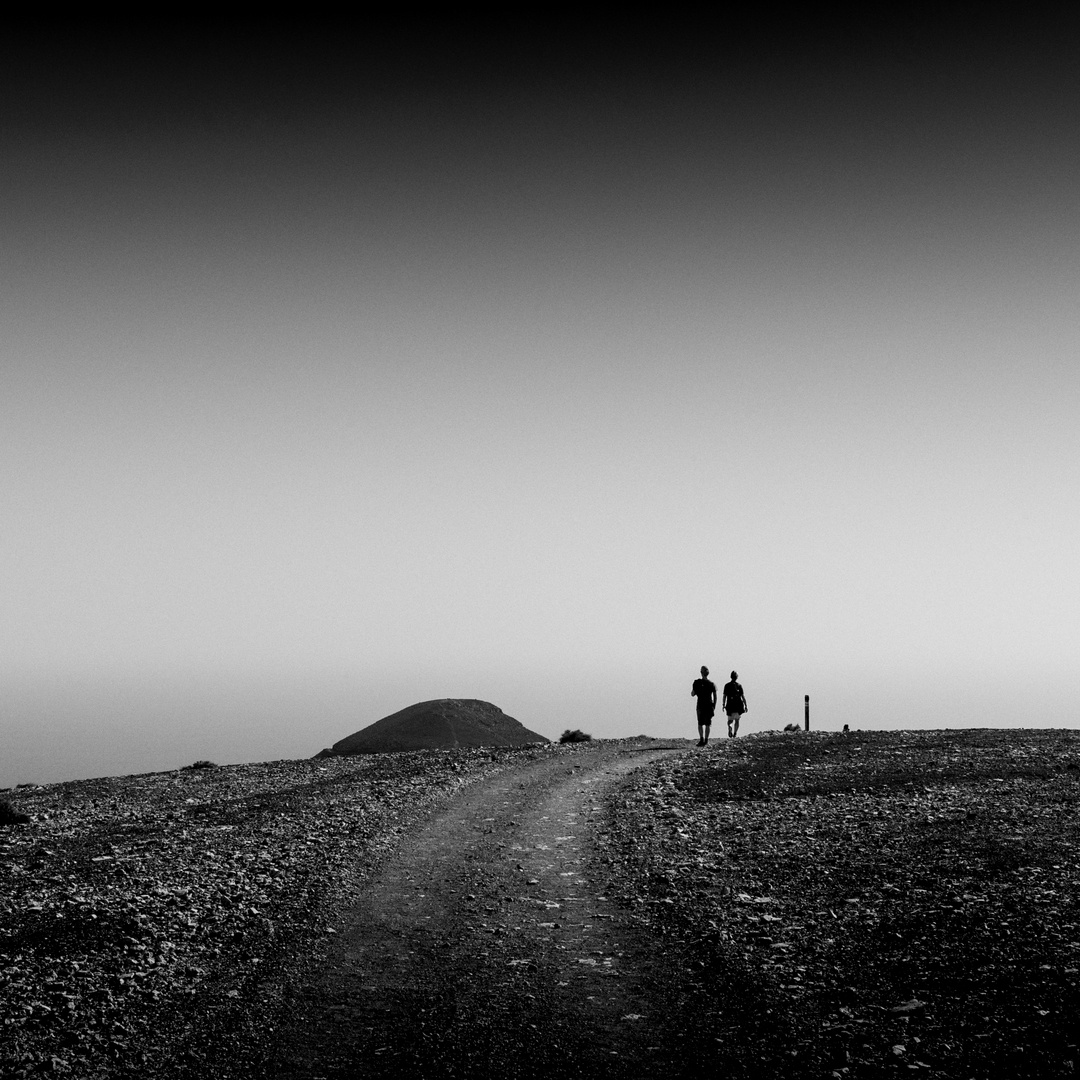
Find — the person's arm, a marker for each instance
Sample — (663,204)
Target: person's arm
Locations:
(714,696)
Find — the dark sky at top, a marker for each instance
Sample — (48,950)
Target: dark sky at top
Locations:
(727,131)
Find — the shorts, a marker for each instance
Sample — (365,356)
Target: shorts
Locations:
(734,717)
(705,718)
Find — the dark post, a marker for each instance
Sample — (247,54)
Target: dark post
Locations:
(807,714)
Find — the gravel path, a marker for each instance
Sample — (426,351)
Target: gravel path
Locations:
(484,947)
(790,905)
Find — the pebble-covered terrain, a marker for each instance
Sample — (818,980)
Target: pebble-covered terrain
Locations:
(868,904)
(818,905)
(141,915)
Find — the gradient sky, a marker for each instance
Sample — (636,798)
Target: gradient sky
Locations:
(346,369)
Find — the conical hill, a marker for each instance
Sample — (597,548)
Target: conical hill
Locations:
(441,724)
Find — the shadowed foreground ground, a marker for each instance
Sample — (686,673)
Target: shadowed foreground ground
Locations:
(858,906)
(485,949)
(786,905)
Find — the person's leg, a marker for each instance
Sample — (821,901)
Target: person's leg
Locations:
(735,725)
(705,737)
(700,733)
(730,733)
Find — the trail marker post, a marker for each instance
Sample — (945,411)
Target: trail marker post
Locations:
(806,714)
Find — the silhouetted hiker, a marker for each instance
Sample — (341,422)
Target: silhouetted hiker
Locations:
(704,689)
(734,705)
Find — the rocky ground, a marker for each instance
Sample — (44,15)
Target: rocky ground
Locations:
(814,905)
(485,948)
(138,913)
(867,904)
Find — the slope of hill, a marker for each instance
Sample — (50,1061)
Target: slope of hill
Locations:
(137,910)
(442,724)
(866,905)
(852,906)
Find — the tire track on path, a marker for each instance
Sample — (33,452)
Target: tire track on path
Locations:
(484,947)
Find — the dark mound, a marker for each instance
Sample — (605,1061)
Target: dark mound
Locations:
(440,725)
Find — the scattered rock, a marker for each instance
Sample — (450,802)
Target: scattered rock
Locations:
(143,911)
(923,884)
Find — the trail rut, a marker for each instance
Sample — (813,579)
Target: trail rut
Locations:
(486,948)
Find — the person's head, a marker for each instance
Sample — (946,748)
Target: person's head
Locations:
(734,674)
(704,671)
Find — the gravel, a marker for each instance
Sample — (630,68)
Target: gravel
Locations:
(142,917)
(865,904)
(844,906)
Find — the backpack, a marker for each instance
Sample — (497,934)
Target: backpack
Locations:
(736,702)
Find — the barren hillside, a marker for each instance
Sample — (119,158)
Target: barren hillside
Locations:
(826,905)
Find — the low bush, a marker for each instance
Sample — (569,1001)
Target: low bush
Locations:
(576,735)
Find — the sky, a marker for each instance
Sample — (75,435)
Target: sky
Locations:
(537,362)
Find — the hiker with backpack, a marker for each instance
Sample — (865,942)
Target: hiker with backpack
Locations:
(734,705)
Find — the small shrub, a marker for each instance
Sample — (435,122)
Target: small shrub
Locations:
(10,816)
(201,765)
(576,735)
(791,727)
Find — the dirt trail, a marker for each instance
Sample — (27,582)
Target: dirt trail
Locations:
(484,949)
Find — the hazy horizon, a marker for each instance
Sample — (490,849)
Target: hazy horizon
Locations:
(155,725)
(537,363)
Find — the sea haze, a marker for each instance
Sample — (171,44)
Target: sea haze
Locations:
(532,361)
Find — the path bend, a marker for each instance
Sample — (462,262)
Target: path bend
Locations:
(485,947)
